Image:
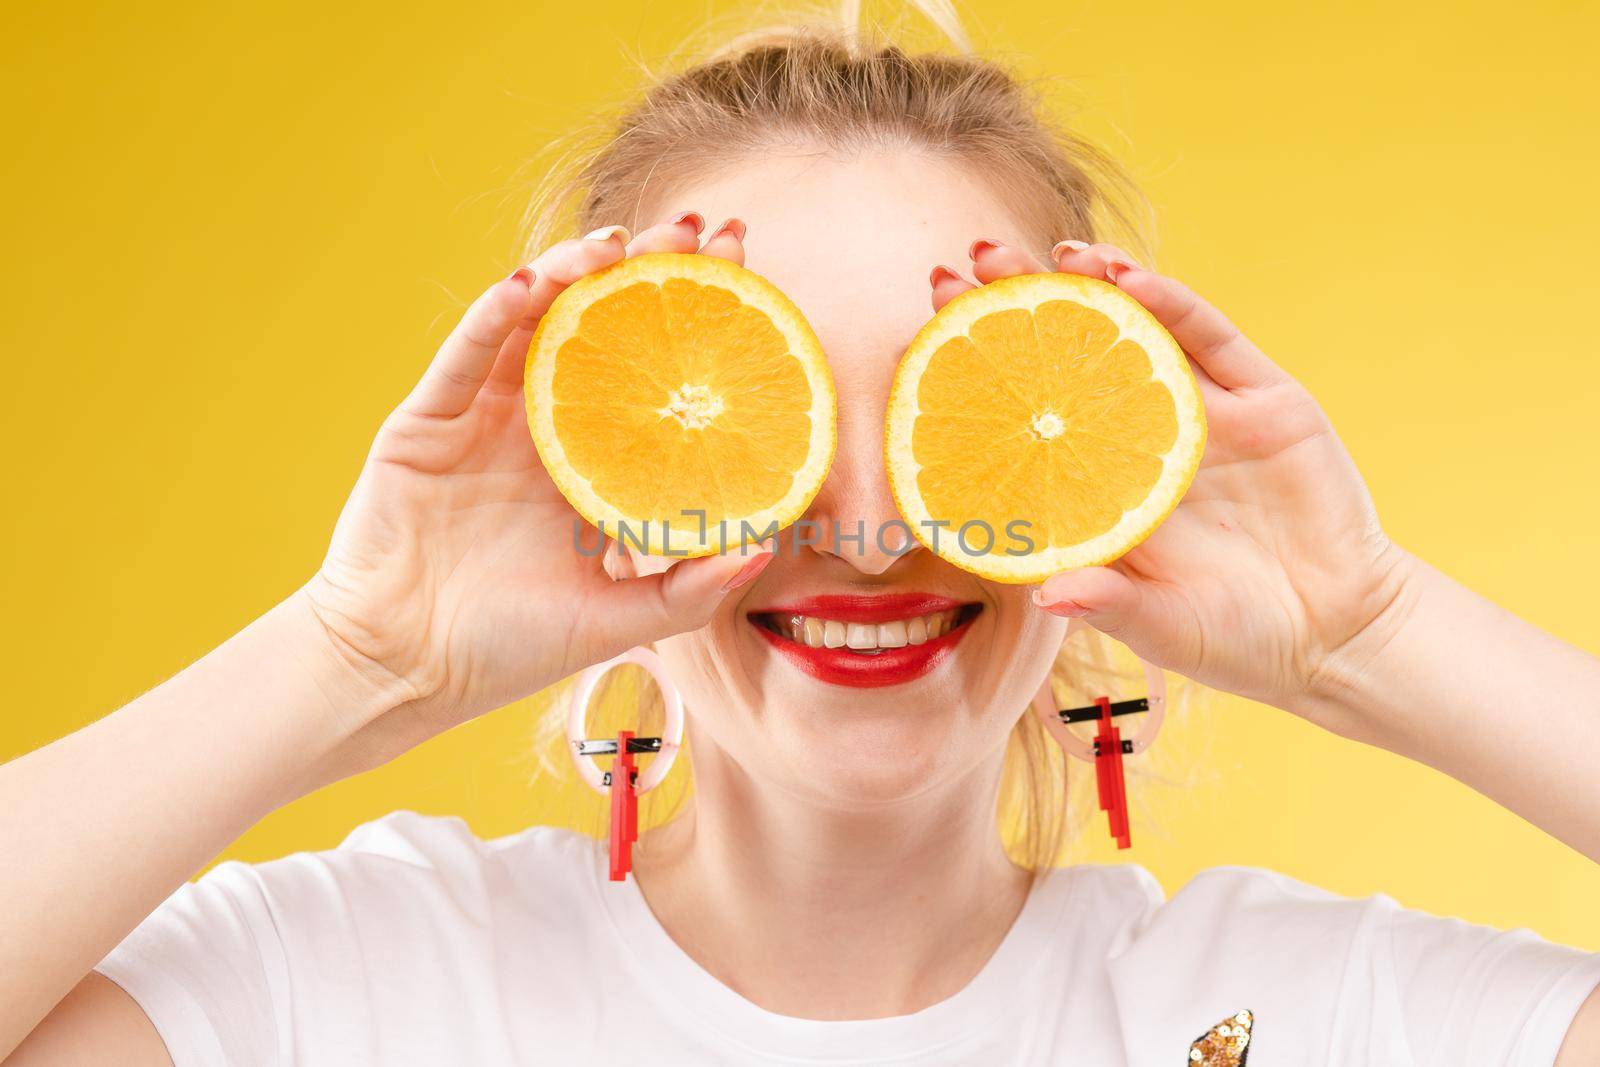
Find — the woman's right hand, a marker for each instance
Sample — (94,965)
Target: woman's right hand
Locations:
(453,582)
(451,586)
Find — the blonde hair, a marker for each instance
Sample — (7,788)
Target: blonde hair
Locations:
(832,80)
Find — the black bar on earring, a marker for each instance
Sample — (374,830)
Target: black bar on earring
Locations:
(1092,712)
(608,746)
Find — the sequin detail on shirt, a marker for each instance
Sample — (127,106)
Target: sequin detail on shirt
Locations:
(1225,1044)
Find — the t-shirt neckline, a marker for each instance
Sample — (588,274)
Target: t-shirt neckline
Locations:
(966,1015)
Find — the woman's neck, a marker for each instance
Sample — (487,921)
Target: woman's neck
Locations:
(828,913)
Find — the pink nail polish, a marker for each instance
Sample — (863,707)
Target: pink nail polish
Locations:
(1067,609)
(748,572)
(692,218)
(733,226)
(523,275)
(1115,268)
(941,273)
(980,245)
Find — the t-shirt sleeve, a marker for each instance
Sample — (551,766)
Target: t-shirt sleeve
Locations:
(1335,979)
(207,968)
(254,964)
(1476,994)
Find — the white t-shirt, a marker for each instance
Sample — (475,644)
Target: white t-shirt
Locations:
(416,942)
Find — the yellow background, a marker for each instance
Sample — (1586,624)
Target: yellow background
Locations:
(233,238)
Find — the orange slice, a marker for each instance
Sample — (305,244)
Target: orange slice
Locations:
(681,403)
(1038,423)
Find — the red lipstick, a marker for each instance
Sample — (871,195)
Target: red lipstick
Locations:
(883,667)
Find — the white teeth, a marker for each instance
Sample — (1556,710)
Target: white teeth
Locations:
(865,637)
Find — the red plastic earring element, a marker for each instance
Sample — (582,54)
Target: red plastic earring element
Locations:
(624,808)
(1108,775)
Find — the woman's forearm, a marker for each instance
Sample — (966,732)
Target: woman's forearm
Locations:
(1450,679)
(99,827)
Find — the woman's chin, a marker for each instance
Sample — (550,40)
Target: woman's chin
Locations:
(876,746)
(857,727)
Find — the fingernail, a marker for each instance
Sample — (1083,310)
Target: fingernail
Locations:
(1115,268)
(1067,609)
(941,273)
(979,245)
(523,275)
(748,572)
(1067,246)
(606,233)
(692,218)
(733,226)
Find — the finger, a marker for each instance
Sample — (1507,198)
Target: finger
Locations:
(617,561)
(1080,257)
(566,261)
(1230,357)
(947,285)
(992,260)
(638,610)
(555,268)
(726,242)
(511,363)
(1150,619)
(1211,394)
(680,234)
(464,361)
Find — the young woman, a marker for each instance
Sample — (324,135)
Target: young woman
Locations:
(823,899)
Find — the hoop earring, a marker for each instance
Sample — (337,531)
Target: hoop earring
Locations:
(1107,747)
(623,783)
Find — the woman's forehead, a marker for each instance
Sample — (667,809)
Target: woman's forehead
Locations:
(850,239)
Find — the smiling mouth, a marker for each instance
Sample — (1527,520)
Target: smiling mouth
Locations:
(866,641)
(864,638)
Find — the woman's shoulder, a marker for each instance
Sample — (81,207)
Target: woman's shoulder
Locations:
(1321,969)
(443,841)
(407,858)
(1238,906)
(397,923)
(1212,891)
(1214,903)
(1229,888)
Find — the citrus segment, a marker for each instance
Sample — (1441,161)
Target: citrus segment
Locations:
(680,401)
(1041,422)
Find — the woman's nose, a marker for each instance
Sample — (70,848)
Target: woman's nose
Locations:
(853,516)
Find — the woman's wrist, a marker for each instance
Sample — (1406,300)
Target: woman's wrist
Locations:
(1450,679)
(358,688)
(1350,688)
(346,692)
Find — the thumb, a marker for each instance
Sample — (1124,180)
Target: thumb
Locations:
(1145,616)
(637,610)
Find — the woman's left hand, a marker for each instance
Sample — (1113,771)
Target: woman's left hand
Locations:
(1274,559)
